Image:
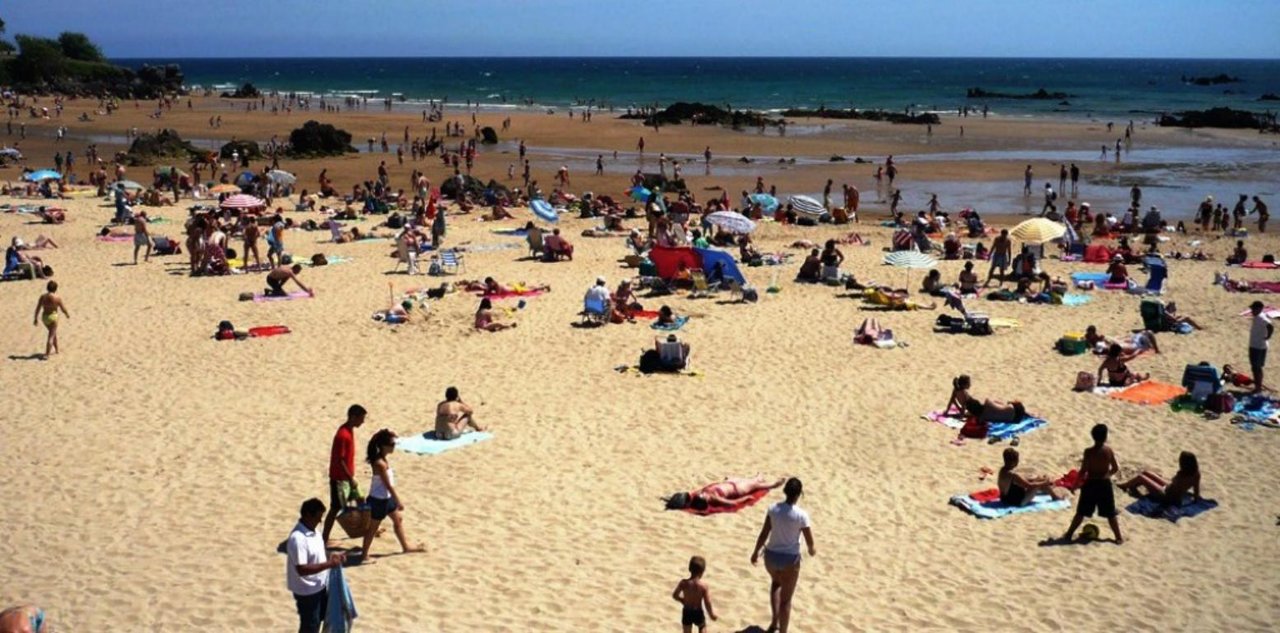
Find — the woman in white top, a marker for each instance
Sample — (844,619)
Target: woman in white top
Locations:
(384,501)
(782,529)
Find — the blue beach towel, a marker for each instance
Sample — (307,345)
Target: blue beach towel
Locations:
(1097,278)
(427,444)
(1075,299)
(512,232)
(1151,509)
(996,509)
(671,327)
(1006,430)
(341,610)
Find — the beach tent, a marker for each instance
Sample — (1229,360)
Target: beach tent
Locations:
(668,261)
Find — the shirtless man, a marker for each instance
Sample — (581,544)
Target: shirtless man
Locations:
(1097,494)
(1001,253)
(251,233)
(141,237)
(280,275)
(453,416)
(47,311)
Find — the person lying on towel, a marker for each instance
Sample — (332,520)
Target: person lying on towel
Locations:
(729,493)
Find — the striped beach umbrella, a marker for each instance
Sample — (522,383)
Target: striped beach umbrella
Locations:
(805,205)
(242,201)
(910,260)
(731,221)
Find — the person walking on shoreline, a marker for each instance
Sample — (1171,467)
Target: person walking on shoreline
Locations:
(343,487)
(1027,175)
(780,540)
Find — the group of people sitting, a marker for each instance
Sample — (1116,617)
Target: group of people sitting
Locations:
(20,263)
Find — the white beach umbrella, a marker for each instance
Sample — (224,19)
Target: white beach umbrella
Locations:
(242,201)
(731,221)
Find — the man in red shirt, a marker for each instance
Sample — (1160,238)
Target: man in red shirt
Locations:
(342,467)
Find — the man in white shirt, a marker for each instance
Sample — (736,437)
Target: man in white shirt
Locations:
(1260,330)
(307,567)
(599,294)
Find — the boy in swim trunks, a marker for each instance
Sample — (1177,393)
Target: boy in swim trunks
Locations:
(1097,494)
(47,312)
(694,594)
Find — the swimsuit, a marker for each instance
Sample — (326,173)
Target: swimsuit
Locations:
(50,319)
(1014,496)
(693,616)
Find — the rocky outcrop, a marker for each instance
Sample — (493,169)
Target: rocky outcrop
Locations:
(316,139)
(244,149)
(1041,94)
(1221,118)
(1215,80)
(926,118)
(245,91)
(488,136)
(702,114)
(164,147)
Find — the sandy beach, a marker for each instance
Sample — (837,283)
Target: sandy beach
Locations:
(154,471)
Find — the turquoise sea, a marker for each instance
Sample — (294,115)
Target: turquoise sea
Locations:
(1118,88)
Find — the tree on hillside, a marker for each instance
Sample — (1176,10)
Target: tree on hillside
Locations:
(40,59)
(79,46)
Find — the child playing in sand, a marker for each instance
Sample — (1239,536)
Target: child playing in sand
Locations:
(47,311)
(694,594)
(1097,494)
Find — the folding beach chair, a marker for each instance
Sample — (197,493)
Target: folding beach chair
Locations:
(594,312)
(1159,272)
(450,262)
(1201,381)
(701,288)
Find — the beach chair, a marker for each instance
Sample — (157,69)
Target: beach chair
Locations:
(406,256)
(735,290)
(1152,311)
(594,312)
(1201,381)
(1158,271)
(701,288)
(675,355)
(450,262)
(536,249)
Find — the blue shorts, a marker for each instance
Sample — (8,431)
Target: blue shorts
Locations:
(999,261)
(380,508)
(1257,357)
(778,561)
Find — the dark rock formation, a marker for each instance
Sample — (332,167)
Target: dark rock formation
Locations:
(166,147)
(979,93)
(246,91)
(1270,96)
(315,139)
(702,114)
(1219,117)
(1221,78)
(927,118)
(488,136)
(244,149)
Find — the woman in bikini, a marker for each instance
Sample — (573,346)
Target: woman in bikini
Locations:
(487,321)
(1169,492)
(729,493)
(1016,490)
(959,394)
(1118,372)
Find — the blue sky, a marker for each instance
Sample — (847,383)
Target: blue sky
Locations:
(732,28)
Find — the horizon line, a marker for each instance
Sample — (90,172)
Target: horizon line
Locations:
(504,56)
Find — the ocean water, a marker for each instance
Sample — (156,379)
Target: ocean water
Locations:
(1114,88)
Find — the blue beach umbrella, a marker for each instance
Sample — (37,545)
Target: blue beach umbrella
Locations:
(766,201)
(543,210)
(43,174)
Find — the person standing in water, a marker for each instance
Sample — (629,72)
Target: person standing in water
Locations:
(47,309)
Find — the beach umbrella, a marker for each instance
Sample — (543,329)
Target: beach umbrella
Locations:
(766,201)
(43,174)
(639,194)
(220,189)
(910,260)
(127,185)
(10,152)
(242,201)
(282,177)
(1038,231)
(731,221)
(244,178)
(805,205)
(543,210)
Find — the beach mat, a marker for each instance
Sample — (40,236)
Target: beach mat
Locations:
(1149,392)
(511,294)
(268,330)
(997,430)
(1151,509)
(261,298)
(751,500)
(996,509)
(427,444)
(1073,300)
(671,327)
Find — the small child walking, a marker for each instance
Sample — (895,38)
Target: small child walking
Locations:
(694,594)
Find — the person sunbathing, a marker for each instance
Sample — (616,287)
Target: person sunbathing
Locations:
(1118,274)
(1118,372)
(730,493)
(53,216)
(1168,492)
(1171,316)
(486,319)
(968,280)
(454,417)
(499,213)
(995,410)
(1016,490)
(932,284)
(666,316)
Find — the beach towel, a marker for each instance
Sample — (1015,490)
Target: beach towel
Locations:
(268,330)
(114,238)
(512,232)
(261,298)
(340,612)
(671,327)
(1270,312)
(1151,508)
(490,248)
(507,294)
(751,500)
(1261,265)
(1004,323)
(427,444)
(1073,300)
(1149,392)
(1264,286)
(995,509)
(1096,278)
(998,430)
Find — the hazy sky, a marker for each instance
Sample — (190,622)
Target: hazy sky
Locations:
(429,28)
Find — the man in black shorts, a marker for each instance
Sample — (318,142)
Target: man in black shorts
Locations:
(1098,493)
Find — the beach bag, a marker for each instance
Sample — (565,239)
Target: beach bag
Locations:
(650,362)
(226,331)
(973,428)
(979,325)
(749,294)
(1221,403)
(318,259)
(355,521)
(1085,381)
(395,221)
(435,268)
